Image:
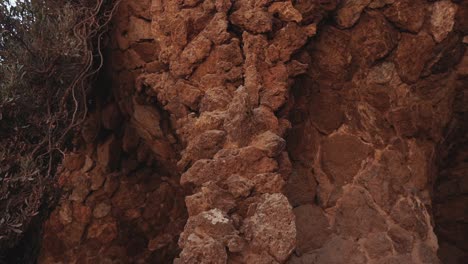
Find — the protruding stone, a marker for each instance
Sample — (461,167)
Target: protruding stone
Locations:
(275,91)
(407,14)
(247,162)
(203,146)
(197,50)
(413,52)
(331,57)
(97,178)
(442,19)
(288,40)
(101,210)
(269,142)
(73,161)
(268,183)
(88,165)
(80,189)
(350,11)
(254,20)
(271,226)
(65,213)
(213,225)
(265,119)
(286,11)
(111,184)
(203,250)
(217,98)
(147,51)
(239,186)
(381,73)
(147,122)
(373,38)
(139,29)
(238,123)
(209,197)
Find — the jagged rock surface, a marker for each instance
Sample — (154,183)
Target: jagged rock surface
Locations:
(235,134)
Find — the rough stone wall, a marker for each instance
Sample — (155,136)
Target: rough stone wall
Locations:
(121,200)
(118,204)
(368,120)
(373,106)
(288,147)
(229,69)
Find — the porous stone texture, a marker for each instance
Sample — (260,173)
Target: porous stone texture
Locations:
(238,57)
(243,132)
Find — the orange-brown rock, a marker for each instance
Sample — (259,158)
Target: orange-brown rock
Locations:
(342,157)
(233,134)
(413,52)
(407,14)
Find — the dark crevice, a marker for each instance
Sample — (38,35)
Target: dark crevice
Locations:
(450,197)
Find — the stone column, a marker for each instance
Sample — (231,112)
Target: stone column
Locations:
(229,67)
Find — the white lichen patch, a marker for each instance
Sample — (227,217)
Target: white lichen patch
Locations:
(215,216)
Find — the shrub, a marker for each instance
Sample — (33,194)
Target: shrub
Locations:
(50,52)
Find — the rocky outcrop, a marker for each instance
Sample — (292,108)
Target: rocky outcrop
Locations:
(254,132)
(368,121)
(235,158)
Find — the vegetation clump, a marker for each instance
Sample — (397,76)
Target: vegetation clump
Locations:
(50,54)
